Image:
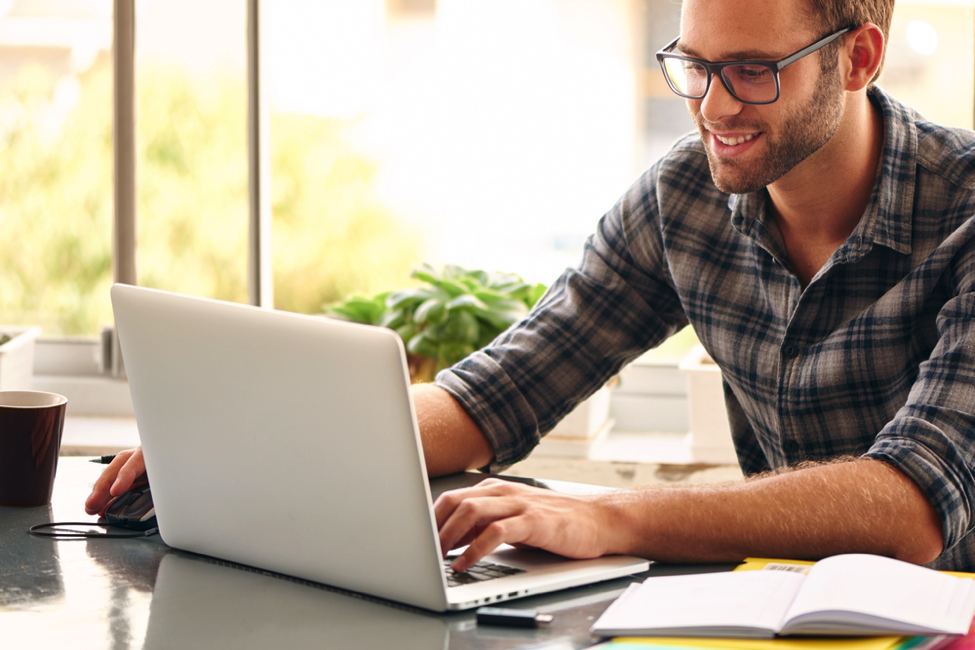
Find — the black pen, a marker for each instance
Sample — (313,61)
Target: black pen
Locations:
(103,460)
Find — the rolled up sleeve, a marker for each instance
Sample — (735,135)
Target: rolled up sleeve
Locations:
(593,320)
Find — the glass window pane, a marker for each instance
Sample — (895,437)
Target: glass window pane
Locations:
(56,165)
(929,59)
(334,234)
(192,147)
(487,134)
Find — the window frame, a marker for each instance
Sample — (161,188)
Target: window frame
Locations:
(88,369)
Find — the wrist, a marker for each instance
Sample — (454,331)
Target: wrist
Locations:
(616,527)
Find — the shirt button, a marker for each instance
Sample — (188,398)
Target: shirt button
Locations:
(790,447)
(790,351)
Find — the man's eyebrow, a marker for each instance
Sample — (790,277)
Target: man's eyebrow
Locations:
(740,55)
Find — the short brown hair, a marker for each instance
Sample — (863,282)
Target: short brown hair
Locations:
(837,14)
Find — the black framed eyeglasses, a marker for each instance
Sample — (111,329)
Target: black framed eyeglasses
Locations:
(750,82)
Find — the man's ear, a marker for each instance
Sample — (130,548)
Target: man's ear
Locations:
(863,53)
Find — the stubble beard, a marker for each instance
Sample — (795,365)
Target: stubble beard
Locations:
(804,131)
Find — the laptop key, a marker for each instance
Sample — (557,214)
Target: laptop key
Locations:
(479,572)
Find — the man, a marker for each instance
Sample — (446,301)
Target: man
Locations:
(817,235)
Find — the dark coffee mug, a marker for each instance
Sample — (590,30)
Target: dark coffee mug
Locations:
(30,440)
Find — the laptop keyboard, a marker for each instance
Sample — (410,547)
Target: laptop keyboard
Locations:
(478,573)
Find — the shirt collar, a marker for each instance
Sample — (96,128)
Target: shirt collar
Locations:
(888,219)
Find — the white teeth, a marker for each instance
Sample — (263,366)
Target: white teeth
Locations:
(733,141)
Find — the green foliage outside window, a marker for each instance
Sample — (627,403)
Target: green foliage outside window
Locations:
(55,206)
(331,236)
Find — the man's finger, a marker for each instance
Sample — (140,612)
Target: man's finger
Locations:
(476,513)
(132,469)
(447,502)
(511,530)
(105,485)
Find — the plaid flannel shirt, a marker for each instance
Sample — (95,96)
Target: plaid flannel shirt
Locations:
(875,357)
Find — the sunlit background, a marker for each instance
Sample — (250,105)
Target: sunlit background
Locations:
(487,133)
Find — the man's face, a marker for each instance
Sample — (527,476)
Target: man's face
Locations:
(750,147)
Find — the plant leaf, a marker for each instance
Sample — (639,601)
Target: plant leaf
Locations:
(406,332)
(431,311)
(454,272)
(496,302)
(472,285)
(393,319)
(503,318)
(358,310)
(480,277)
(421,345)
(537,291)
(452,289)
(408,297)
(466,301)
(425,276)
(460,327)
(342,312)
(503,281)
(515,290)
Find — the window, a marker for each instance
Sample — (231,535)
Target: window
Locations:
(486,133)
(192,174)
(929,59)
(56,165)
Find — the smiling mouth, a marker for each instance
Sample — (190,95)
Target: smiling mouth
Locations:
(734,141)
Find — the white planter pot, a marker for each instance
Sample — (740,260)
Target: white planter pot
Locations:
(17,357)
(587,418)
(709,439)
(582,430)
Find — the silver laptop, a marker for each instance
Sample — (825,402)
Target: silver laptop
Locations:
(289,443)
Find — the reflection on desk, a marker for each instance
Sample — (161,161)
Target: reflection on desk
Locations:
(140,593)
(199,600)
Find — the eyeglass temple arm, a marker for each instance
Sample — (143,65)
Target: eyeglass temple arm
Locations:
(812,48)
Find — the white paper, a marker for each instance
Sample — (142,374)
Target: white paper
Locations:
(886,594)
(753,603)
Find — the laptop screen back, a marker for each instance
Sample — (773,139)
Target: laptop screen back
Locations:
(272,439)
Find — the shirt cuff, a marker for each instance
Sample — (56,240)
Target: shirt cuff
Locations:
(938,470)
(490,398)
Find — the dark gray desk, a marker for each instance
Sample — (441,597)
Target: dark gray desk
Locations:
(140,593)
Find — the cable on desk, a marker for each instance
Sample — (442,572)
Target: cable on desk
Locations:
(55,532)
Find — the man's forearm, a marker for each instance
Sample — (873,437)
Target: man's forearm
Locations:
(858,506)
(452,441)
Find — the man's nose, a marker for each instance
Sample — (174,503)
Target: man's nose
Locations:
(719,102)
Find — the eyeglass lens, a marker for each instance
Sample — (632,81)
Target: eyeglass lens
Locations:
(747,82)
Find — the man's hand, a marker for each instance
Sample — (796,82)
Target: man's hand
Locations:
(117,478)
(496,512)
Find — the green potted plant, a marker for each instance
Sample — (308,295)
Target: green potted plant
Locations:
(455,312)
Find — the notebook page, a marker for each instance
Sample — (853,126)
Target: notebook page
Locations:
(872,589)
(747,603)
